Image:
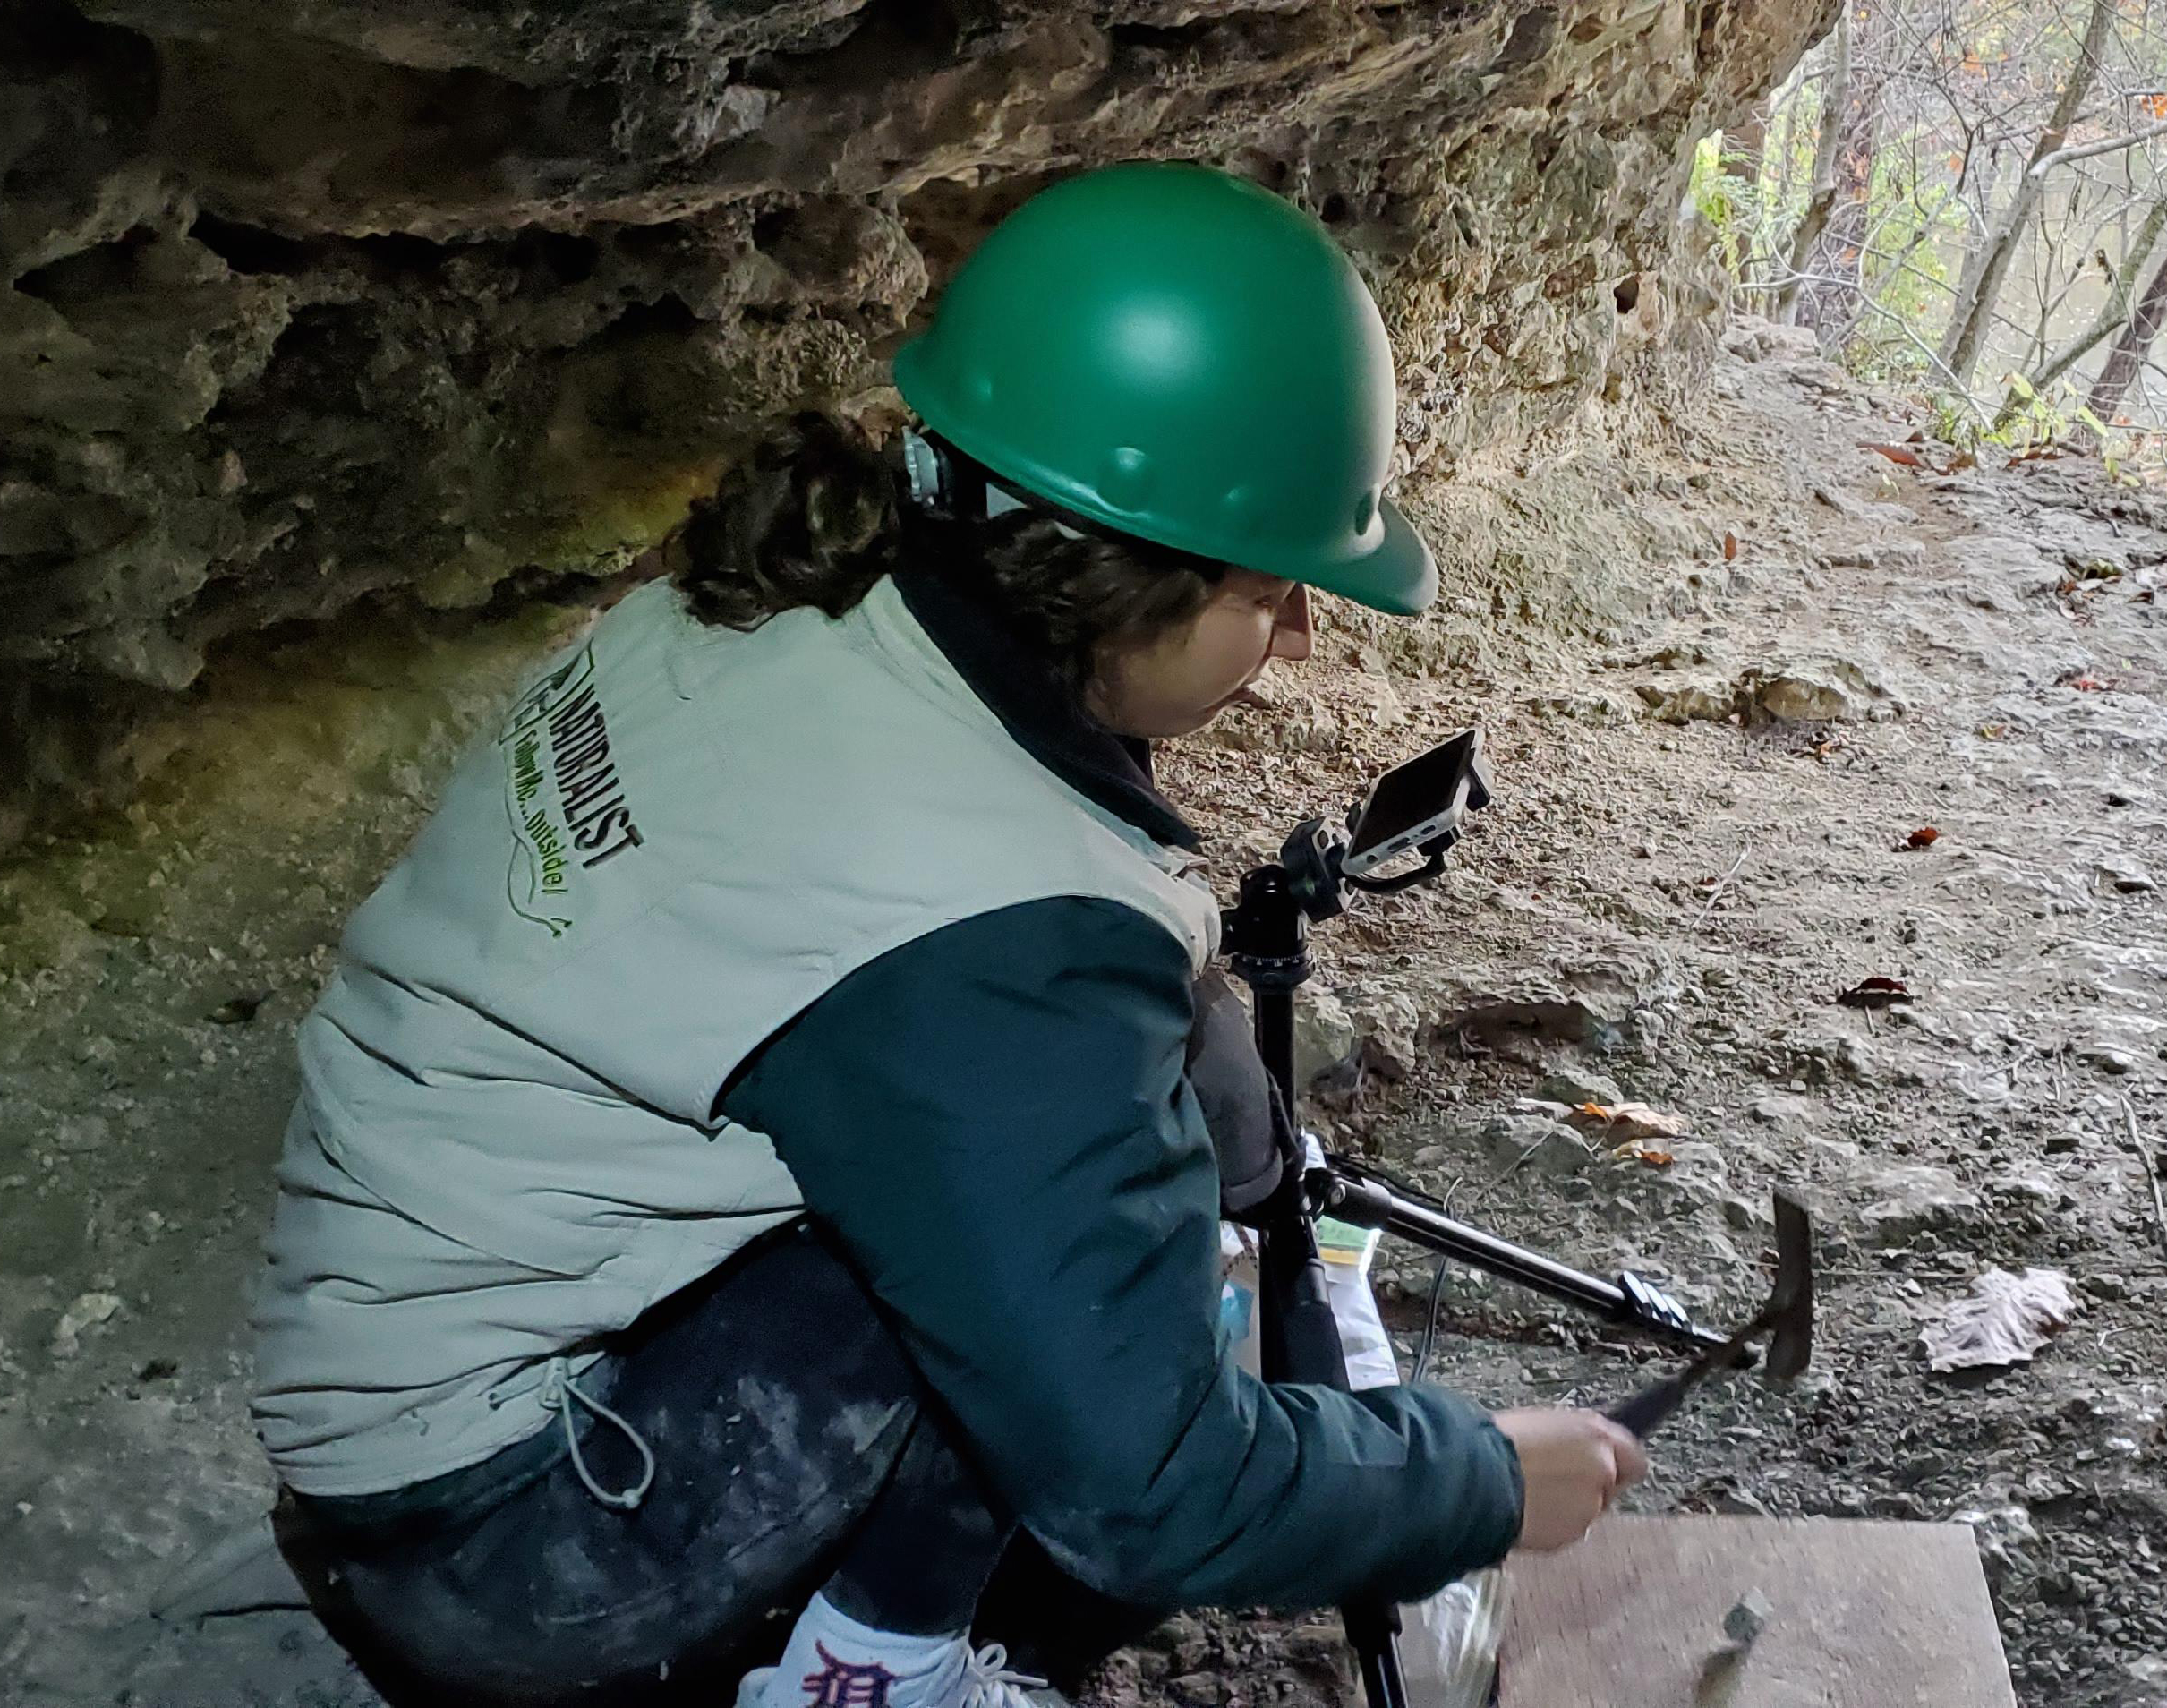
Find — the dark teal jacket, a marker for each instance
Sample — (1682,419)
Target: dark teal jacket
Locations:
(997,1124)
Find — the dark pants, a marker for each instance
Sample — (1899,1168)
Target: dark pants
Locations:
(793,1448)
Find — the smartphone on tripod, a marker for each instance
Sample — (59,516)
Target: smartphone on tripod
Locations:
(1418,805)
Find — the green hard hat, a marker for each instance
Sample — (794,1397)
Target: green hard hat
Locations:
(1174,353)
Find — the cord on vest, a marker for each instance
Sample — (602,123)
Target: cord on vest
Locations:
(558,1390)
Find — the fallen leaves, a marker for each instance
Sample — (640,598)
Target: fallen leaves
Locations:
(1876,993)
(1908,455)
(2003,1320)
(1925,836)
(1730,546)
(1624,1124)
(1624,1128)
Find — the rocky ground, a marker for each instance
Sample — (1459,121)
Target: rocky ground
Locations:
(1701,837)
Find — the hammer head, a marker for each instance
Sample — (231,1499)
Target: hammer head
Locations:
(1790,1306)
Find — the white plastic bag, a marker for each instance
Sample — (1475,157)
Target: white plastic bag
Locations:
(1448,1647)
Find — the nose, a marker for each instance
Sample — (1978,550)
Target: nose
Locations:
(1293,636)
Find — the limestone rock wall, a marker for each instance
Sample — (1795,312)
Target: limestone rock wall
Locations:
(309,305)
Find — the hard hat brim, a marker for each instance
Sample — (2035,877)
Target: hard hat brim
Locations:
(1399,578)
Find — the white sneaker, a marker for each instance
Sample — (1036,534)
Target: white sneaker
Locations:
(989,1682)
(833,1661)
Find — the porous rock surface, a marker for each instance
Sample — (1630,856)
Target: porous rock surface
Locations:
(307,306)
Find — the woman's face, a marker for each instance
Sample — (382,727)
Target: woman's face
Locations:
(1178,682)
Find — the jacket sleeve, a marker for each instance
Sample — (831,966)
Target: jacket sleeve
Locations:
(995,1123)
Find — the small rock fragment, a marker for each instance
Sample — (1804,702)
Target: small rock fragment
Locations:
(238,1011)
(1535,1141)
(1809,690)
(1747,1619)
(1326,1038)
(1573,1089)
(1905,1200)
(2121,873)
(1689,699)
(88,1311)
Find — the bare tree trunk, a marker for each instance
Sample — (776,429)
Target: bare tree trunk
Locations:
(1975,255)
(1973,315)
(1835,103)
(2132,348)
(2119,313)
(1766,264)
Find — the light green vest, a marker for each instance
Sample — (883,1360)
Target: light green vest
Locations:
(506,1146)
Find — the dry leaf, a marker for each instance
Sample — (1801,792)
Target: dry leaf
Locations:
(2003,1320)
(1730,546)
(1876,993)
(1925,836)
(1897,455)
(1627,1123)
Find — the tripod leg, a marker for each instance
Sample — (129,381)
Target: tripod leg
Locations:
(1373,1633)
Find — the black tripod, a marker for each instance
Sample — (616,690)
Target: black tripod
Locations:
(1267,944)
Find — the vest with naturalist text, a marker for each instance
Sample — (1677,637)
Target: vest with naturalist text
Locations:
(680,838)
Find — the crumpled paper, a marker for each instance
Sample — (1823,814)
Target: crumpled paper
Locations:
(2004,1319)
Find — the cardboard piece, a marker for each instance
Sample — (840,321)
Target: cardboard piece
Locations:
(1862,1614)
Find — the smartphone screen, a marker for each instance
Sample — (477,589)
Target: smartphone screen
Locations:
(1410,796)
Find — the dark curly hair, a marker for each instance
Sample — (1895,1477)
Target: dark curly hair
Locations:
(815,515)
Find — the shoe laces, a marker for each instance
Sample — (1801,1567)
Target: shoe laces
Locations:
(989,1681)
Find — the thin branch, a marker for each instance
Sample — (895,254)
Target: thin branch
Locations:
(2046,163)
(1723,883)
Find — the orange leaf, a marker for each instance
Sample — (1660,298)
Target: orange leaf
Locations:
(1925,836)
(1897,455)
(1656,1158)
(1974,65)
(1956,163)
(1730,546)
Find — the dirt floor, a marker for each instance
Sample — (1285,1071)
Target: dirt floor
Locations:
(1701,839)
